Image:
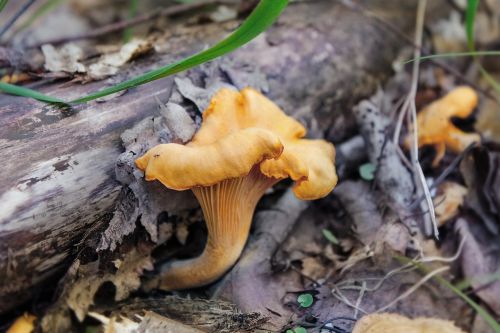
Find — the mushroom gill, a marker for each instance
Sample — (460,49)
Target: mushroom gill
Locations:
(245,145)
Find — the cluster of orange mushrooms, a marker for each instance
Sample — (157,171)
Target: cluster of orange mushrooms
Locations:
(245,145)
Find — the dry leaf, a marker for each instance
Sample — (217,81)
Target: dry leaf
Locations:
(65,59)
(313,268)
(110,64)
(394,323)
(480,261)
(450,198)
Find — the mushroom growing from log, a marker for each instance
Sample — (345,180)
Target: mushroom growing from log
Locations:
(435,126)
(245,145)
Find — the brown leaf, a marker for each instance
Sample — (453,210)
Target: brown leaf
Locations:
(480,259)
(450,198)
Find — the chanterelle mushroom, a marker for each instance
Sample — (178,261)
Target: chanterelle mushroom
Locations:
(436,128)
(245,145)
(394,323)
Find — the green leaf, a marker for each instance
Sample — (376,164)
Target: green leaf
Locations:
(479,309)
(266,12)
(300,329)
(2,4)
(289,331)
(330,236)
(367,171)
(470,17)
(26,92)
(305,300)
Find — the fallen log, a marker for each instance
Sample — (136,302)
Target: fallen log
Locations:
(58,182)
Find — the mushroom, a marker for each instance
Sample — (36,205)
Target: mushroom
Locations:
(436,128)
(245,145)
(395,323)
(23,324)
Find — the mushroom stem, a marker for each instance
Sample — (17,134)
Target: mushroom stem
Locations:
(228,209)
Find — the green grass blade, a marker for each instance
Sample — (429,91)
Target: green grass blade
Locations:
(2,4)
(478,308)
(263,16)
(456,55)
(132,12)
(483,279)
(266,12)
(26,92)
(470,17)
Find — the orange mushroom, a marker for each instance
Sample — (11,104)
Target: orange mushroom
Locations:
(394,323)
(23,324)
(436,128)
(245,145)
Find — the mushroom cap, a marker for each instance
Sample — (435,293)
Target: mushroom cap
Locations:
(435,126)
(240,130)
(395,323)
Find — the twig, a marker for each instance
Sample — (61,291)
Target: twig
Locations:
(14,18)
(360,298)
(449,169)
(413,288)
(410,104)
(445,259)
(122,25)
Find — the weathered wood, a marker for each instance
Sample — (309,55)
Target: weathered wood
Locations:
(57,181)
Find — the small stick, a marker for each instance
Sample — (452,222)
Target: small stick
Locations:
(412,289)
(449,169)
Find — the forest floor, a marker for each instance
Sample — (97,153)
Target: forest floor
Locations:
(413,226)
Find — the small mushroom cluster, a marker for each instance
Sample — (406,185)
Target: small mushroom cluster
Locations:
(245,145)
(435,125)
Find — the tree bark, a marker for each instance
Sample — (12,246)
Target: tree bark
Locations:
(58,183)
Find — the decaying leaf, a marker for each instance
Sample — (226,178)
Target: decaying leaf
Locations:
(449,34)
(450,198)
(394,323)
(109,64)
(480,261)
(145,321)
(65,59)
(481,172)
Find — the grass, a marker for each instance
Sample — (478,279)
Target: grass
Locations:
(262,17)
(132,12)
(470,18)
(445,283)
(3,3)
